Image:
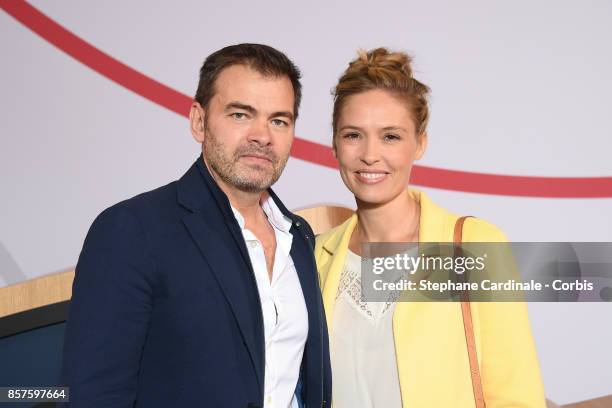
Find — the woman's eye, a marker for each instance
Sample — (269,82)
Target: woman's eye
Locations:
(279,122)
(391,137)
(351,136)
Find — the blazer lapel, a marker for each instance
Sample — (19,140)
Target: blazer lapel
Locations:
(215,234)
(337,245)
(219,251)
(301,253)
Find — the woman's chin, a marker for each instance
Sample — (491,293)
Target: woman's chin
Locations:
(371,197)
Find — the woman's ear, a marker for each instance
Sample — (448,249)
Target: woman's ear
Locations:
(196,122)
(421,146)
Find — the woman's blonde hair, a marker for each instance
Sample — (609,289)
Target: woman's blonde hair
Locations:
(390,71)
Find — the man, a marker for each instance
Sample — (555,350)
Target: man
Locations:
(204,292)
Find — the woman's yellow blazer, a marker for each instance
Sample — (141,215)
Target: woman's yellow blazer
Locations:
(430,346)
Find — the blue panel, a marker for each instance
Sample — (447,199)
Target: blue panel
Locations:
(32,358)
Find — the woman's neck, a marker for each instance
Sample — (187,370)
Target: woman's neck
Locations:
(394,221)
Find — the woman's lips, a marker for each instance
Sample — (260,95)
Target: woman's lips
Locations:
(369,177)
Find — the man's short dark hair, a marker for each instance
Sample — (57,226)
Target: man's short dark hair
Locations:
(264,59)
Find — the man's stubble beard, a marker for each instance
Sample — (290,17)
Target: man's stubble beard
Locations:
(227,168)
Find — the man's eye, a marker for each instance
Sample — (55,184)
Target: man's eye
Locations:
(239,115)
(279,122)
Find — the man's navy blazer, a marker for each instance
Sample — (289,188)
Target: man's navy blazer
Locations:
(165,310)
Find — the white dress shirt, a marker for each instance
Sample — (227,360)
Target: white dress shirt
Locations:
(283,308)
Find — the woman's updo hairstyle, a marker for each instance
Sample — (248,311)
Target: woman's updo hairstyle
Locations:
(390,71)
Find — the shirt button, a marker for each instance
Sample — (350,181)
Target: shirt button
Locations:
(269,399)
(252,244)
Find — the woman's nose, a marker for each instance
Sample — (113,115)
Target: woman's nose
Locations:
(370,153)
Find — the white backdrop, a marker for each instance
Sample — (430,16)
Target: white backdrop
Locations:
(519,88)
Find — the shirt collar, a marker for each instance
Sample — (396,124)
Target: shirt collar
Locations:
(274,214)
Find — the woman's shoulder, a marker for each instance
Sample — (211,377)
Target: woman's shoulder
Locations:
(439,223)
(479,230)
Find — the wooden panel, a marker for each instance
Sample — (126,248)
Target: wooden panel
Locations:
(602,402)
(36,293)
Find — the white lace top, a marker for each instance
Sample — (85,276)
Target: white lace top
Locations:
(364,368)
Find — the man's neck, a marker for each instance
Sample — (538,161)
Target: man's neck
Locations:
(246,202)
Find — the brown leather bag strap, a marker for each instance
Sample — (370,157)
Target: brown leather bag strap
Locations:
(468,326)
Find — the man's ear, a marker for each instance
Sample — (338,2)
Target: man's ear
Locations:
(421,146)
(196,122)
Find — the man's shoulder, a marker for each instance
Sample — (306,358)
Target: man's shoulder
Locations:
(158,197)
(144,206)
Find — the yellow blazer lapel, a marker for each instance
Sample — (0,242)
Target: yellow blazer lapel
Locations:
(336,244)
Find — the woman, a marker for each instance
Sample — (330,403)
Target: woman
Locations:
(407,354)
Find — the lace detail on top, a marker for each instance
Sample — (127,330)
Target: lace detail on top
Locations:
(350,288)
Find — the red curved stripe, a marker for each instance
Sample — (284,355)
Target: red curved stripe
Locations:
(561,187)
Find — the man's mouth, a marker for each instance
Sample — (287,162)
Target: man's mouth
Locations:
(257,158)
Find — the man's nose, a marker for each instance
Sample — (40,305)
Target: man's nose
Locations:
(260,132)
